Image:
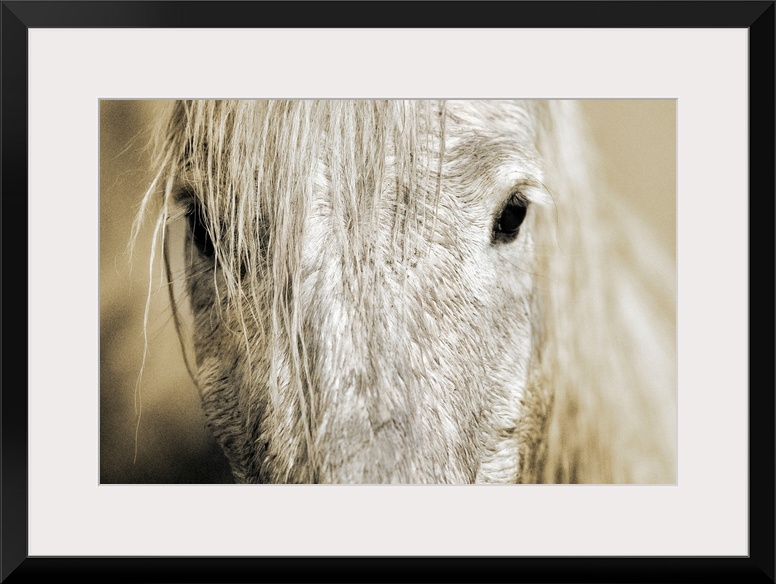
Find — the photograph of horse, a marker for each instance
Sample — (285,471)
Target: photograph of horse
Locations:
(385,291)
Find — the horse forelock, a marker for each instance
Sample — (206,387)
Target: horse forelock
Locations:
(254,169)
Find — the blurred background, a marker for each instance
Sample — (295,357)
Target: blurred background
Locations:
(637,143)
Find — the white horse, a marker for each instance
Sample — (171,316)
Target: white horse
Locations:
(416,292)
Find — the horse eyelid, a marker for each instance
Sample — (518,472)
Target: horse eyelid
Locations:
(517,198)
(184,196)
(531,190)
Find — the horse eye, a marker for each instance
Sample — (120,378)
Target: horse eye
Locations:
(507,225)
(199,232)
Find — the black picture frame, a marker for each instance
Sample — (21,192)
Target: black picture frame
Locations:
(758,566)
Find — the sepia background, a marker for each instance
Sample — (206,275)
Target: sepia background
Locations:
(636,140)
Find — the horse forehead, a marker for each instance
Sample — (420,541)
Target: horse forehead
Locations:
(496,134)
(483,143)
(494,117)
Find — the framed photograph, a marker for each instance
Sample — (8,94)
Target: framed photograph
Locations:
(129,132)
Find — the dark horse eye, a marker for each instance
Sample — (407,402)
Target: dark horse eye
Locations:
(507,224)
(199,232)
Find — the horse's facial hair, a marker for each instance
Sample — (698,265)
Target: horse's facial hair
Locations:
(386,332)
